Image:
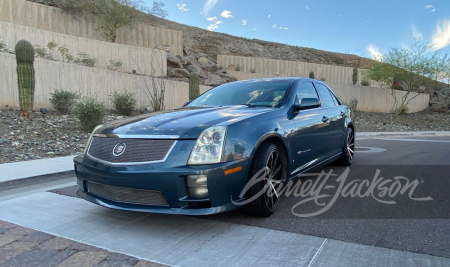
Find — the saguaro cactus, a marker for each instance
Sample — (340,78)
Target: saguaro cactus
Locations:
(25,76)
(194,86)
(355,76)
(311,75)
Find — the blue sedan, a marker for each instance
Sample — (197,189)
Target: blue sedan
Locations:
(237,143)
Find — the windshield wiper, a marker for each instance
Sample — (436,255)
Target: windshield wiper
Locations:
(248,105)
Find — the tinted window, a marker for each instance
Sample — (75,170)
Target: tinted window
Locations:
(325,96)
(336,102)
(306,90)
(256,92)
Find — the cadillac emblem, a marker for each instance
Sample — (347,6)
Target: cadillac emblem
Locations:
(119,149)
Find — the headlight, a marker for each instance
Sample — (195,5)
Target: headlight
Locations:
(209,146)
(90,138)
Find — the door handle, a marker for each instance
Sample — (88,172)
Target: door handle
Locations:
(325,119)
(342,113)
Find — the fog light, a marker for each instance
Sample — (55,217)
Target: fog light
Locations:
(197,185)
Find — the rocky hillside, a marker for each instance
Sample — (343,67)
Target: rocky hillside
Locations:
(198,40)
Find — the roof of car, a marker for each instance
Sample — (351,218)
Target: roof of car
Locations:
(278,79)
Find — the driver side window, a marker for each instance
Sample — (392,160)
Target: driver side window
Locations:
(305,90)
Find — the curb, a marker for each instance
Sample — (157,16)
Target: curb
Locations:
(369,135)
(22,182)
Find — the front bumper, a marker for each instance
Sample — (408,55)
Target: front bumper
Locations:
(169,178)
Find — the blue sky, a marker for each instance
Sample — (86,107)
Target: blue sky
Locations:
(360,27)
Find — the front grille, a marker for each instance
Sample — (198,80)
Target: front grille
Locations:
(127,195)
(136,151)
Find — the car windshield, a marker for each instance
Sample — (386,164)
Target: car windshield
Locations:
(267,93)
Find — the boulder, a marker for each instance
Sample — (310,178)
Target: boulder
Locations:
(213,80)
(227,77)
(190,60)
(203,60)
(173,61)
(199,71)
(210,67)
(178,73)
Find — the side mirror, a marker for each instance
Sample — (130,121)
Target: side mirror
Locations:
(307,103)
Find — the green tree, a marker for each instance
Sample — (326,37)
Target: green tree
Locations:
(158,9)
(114,14)
(406,69)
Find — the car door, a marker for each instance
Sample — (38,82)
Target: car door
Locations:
(307,143)
(336,113)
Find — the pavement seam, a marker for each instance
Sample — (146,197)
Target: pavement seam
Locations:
(317,253)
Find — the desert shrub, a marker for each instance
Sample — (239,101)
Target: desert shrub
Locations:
(365,83)
(63,101)
(237,67)
(353,104)
(124,102)
(252,70)
(402,110)
(65,55)
(40,51)
(115,65)
(85,59)
(322,79)
(2,46)
(90,112)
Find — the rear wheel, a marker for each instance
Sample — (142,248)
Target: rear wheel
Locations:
(348,151)
(270,163)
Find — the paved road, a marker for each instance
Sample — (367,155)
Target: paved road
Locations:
(311,241)
(426,159)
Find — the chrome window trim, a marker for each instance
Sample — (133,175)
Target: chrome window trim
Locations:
(129,163)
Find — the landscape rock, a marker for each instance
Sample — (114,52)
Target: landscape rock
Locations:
(178,73)
(190,60)
(227,77)
(203,60)
(210,67)
(214,80)
(199,71)
(173,61)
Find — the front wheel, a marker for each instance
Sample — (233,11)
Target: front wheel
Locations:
(348,151)
(270,163)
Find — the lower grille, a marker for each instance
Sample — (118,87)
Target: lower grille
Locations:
(127,195)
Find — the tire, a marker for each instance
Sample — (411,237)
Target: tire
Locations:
(268,155)
(348,151)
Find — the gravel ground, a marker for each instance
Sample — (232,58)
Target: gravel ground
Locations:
(46,136)
(56,135)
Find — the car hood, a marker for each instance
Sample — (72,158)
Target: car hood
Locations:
(187,123)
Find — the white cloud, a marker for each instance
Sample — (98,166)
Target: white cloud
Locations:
(209,5)
(269,16)
(226,14)
(441,37)
(254,29)
(281,28)
(285,28)
(375,52)
(244,22)
(212,27)
(416,34)
(307,7)
(201,13)
(182,7)
(211,19)
(430,7)
(219,22)
(274,26)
